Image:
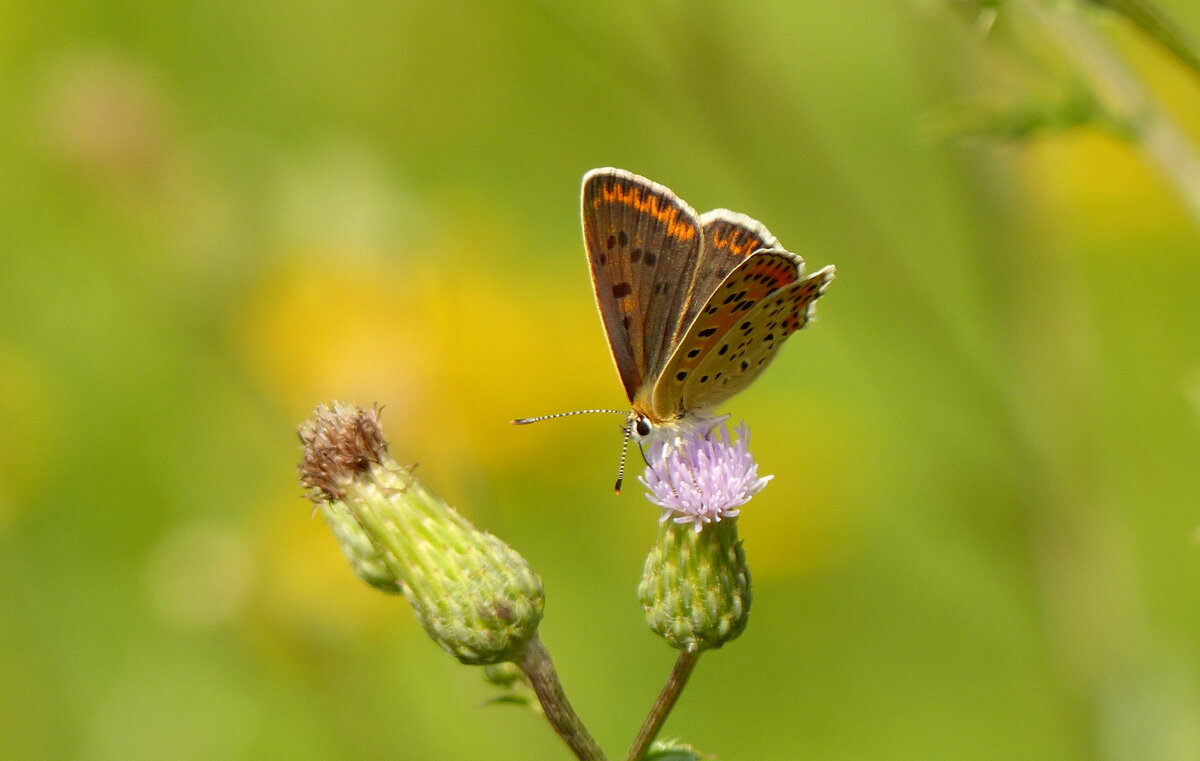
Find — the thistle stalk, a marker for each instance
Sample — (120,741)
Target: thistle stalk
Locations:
(671,691)
(534,661)
(695,587)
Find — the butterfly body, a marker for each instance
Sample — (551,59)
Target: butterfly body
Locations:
(694,306)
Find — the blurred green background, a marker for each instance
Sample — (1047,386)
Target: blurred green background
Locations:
(981,541)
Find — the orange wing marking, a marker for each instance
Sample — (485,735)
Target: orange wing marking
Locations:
(735,244)
(665,212)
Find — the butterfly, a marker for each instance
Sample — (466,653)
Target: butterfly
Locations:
(694,306)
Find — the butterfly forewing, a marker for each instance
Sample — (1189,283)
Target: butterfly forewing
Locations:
(739,331)
(643,245)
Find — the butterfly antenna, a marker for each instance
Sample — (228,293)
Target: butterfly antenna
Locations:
(624,452)
(528,420)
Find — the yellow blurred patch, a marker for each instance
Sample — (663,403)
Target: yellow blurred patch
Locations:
(333,326)
(305,582)
(1091,186)
(453,352)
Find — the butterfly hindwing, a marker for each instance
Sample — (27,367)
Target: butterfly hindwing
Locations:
(729,238)
(770,324)
(739,331)
(643,245)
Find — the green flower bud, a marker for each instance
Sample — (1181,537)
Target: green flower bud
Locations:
(695,588)
(474,595)
(366,561)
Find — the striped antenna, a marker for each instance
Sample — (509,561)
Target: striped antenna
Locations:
(528,420)
(624,451)
(624,447)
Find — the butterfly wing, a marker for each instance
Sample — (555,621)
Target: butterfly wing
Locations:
(643,245)
(729,238)
(739,331)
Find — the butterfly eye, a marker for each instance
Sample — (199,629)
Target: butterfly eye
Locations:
(642,427)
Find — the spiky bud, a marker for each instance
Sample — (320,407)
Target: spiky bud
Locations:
(695,588)
(473,594)
(367,562)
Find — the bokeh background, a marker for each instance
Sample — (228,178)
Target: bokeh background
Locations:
(981,541)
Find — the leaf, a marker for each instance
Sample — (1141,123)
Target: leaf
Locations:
(514,688)
(515,700)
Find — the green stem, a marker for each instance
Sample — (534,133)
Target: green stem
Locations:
(662,707)
(535,662)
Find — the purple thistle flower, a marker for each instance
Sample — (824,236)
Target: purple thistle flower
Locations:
(703,475)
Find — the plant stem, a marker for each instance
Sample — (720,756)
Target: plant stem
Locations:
(535,662)
(662,707)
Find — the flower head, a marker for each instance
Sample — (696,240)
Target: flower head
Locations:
(702,476)
(473,594)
